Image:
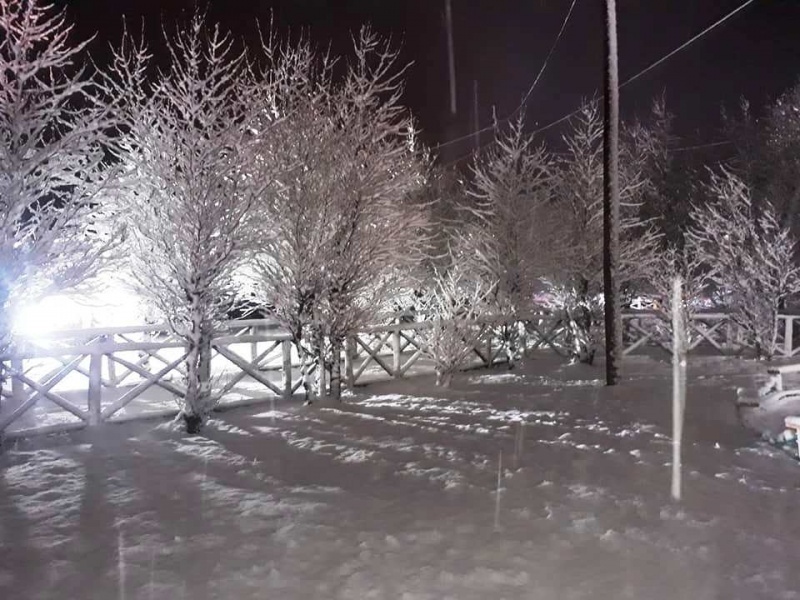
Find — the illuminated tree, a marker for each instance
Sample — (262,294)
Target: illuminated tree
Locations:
(577,279)
(342,224)
(750,257)
(452,302)
(687,263)
(54,176)
(186,149)
(503,240)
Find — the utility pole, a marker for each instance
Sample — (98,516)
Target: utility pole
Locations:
(451,58)
(613,318)
(476,122)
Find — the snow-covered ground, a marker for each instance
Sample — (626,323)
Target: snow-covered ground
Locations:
(394,494)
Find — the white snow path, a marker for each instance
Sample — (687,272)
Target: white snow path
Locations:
(393,495)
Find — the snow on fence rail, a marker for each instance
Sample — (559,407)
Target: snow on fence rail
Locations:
(714,331)
(71,379)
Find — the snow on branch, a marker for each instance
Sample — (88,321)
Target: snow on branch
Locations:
(54,172)
(339,225)
(452,303)
(750,257)
(578,211)
(192,181)
(503,239)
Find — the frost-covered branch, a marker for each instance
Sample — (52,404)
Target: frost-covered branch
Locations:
(578,210)
(341,230)
(452,303)
(502,240)
(749,255)
(54,173)
(192,181)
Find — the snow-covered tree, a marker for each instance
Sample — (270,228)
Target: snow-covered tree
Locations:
(186,149)
(782,140)
(345,228)
(578,246)
(672,175)
(768,154)
(503,239)
(54,176)
(749,255)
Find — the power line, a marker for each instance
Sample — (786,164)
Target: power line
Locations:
(669,150)
(700,146)
(708,29)
(527,95)
(627,81)
(659,61)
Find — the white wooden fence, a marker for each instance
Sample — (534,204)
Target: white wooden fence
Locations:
(72,379)
(715,332)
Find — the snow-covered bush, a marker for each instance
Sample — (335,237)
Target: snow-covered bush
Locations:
(54,176)
(749,255)
(452,303)
(186,149)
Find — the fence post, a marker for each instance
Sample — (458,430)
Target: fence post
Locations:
(678,384)
(788,334)
(18,392)
(349,355)
(111,367)
(96,382)
(396,358)
(490,330)
(727,328)
(286,350)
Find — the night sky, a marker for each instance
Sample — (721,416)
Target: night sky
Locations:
(502,43)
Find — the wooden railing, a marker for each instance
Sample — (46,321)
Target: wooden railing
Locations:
(86,377)
(713,331)
(72,379)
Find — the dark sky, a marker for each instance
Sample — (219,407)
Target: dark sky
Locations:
(502,43)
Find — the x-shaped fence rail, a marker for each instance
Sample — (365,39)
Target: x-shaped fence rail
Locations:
(97,375)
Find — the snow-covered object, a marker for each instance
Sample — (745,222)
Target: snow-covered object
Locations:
(792,430)
(502,240)
(749,254)
(191,183)
(54,176)
(452,303)
(687,264)
(342,229)
(577,237)
(392,495)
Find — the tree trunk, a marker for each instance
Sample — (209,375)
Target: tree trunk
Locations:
(613,323)
(308,370)
(336,370)
(443,378)
(198,403)
(322,368)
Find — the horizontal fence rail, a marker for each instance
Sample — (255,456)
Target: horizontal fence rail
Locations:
(71,379)
(714,332)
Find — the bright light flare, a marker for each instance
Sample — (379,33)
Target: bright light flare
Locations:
(53,313)
(109,305)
